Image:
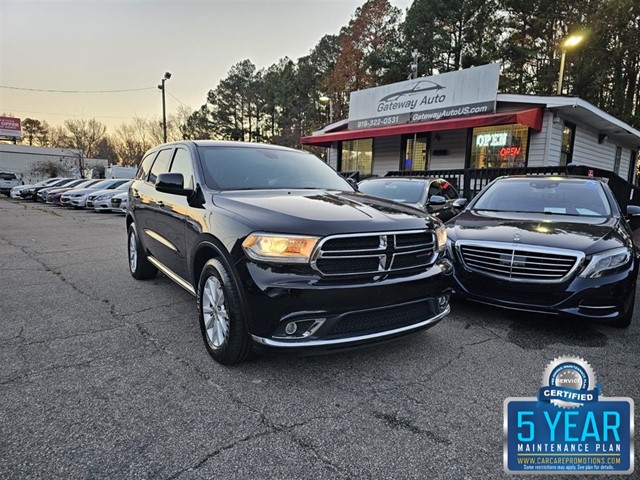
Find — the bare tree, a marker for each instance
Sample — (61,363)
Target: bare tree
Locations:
(85,135)
(132,140)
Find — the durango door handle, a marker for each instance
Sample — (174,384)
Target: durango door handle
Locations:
(160,203)
(135,194)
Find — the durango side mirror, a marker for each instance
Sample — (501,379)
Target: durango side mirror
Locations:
(172,183)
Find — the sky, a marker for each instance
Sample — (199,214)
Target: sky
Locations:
(105,45)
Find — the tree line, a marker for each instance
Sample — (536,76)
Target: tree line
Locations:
(283,102)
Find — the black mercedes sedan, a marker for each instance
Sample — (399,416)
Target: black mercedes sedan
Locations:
(556,245)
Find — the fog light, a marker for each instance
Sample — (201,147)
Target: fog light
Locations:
(291,328)
(443,301)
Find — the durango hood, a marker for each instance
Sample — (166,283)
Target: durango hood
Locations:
(587,234)
(319,212)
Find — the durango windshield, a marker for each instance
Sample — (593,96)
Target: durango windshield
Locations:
(546,195)
(253,168)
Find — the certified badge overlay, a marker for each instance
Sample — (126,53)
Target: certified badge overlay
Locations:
(569,427)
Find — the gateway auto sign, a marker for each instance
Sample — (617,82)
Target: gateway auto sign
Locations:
(472,91)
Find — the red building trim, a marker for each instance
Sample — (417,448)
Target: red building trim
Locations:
(531,117)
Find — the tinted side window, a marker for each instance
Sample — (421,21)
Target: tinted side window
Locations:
(145,166)
(161,165)
(182,164)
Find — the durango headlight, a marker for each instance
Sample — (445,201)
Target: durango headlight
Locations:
(603,262)
(441,237)
(269,247)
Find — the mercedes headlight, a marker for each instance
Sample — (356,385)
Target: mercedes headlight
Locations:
(268,247)
(603,262)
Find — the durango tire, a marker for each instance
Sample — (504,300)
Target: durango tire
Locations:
(221,319)
(139,265)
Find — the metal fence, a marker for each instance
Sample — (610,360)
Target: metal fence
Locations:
(469,181)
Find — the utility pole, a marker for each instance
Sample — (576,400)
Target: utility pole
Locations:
(166,77)
(413,66)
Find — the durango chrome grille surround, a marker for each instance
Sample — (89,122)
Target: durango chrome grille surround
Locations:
(519,262)
(374,253)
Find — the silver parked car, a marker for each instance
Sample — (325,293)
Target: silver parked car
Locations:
(77,198)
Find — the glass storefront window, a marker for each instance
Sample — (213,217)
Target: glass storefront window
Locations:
(568,137)
(357,155)
(616,161)
(499,146)
(415,154)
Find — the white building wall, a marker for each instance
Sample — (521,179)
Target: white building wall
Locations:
(553,137)
(20,159)
(587,150)
(386,154)
(454,142)
(538,142)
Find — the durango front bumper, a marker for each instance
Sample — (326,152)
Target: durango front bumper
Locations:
(298,312)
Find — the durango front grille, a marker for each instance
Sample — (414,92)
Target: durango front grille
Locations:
(519,262)
(378,320)
(374,253)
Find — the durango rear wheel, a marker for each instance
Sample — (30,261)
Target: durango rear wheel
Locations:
(221,319)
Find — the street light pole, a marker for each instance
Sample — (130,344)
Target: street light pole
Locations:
(166,77)
(569,42)
(326,99)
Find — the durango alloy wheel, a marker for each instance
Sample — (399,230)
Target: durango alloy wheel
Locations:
(221,319)
(139,265)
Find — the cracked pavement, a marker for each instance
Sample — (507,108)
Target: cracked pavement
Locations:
(103,376)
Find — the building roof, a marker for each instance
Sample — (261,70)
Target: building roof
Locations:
(581,112)
(573,109)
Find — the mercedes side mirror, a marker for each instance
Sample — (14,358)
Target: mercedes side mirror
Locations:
(460,203)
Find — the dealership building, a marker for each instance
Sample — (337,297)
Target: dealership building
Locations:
(459,120)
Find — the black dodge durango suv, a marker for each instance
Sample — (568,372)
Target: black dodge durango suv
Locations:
(281,252)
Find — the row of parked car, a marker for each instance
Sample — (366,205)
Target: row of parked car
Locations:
(101,195)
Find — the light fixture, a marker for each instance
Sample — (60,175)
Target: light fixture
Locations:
(569,42)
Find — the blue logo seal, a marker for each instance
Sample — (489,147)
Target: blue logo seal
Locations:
(569,382)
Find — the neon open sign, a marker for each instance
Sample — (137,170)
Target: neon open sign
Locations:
(498,139)
(510,151)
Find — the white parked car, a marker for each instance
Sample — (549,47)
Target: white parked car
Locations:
(119,202)
(15,191)
(77,198)
(101,200)
(8,180)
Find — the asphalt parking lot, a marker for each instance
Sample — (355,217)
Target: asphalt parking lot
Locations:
(103,376)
